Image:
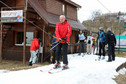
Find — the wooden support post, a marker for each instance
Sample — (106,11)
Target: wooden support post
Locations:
(1,39)
(24,47)
(43,43)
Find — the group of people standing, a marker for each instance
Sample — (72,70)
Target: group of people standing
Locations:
(63,32)
(83,40)
(103,39)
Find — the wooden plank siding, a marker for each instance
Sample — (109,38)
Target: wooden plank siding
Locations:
(20,2)
(71,12)
(54,7)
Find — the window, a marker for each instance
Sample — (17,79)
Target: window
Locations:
(19,38)
(29,37)
(63,9)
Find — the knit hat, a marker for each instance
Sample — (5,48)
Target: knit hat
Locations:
(108,29)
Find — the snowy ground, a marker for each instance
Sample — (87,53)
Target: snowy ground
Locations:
(83,70)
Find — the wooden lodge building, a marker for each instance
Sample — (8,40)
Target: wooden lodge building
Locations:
(38,16)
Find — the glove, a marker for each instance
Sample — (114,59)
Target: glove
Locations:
(50,34)
(64,39)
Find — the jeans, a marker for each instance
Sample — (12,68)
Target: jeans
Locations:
(81,45)
(111,52)
(89,48)
(33,57)
(102,47)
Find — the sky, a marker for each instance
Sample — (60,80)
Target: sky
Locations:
(88,6)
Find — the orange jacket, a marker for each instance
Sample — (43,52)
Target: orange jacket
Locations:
(34,44)
(63,30)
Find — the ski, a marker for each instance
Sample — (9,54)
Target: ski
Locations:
(97,60)
(57,70)
(54,71)
(45,70)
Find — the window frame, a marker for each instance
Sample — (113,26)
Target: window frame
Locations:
(23,38)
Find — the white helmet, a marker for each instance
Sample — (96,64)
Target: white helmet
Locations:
(101,28)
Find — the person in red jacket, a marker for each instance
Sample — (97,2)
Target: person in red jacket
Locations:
(63,32)
(34,50)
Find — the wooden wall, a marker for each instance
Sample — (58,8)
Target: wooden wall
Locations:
(54,6)
(71,12)
(20,2)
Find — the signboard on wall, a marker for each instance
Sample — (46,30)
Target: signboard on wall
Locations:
(12,16)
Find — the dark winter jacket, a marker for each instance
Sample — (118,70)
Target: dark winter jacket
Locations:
(110,38)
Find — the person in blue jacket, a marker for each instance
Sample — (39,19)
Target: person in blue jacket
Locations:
(54,49)
(102,40)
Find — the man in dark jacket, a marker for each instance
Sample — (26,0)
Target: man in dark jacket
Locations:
(111,41)
(54,42)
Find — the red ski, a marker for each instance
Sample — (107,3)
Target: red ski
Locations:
(57,70)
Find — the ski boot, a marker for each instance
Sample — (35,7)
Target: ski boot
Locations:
(83,55)
(99,58)
(103,57)
(79,54)
(57,65)
(65,67)
(30,63)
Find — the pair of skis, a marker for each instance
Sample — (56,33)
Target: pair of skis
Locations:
(55,70)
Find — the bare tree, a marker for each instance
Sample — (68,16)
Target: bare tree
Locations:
(96,13)
(104,20)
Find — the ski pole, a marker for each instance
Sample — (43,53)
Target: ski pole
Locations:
(54,36)
(55,42)
(55,45)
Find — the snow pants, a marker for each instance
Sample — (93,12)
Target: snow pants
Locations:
(81,46)
(102,47)
(111,52)
(33,57)
(89,48)
(54,56)
(64,47)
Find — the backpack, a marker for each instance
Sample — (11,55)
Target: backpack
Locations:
(89,41)
(103,37)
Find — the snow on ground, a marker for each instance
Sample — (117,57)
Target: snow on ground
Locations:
(122,71)
(3,71)
(83,70)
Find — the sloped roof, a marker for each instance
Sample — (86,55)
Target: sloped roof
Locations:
(52,19)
